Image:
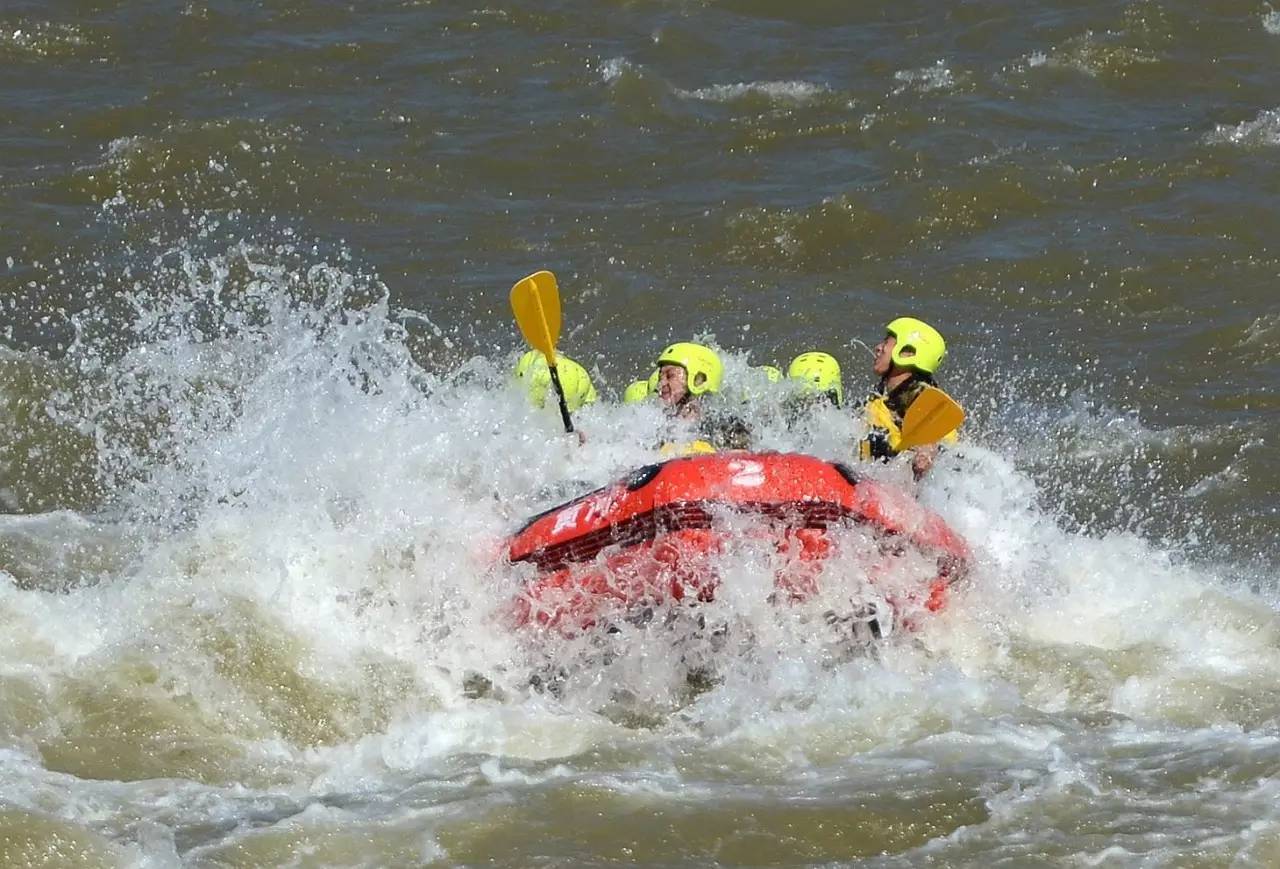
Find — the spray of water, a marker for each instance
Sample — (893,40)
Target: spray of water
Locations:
(291,588)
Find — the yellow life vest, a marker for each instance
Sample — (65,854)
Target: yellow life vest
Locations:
(880,417)
(691,448)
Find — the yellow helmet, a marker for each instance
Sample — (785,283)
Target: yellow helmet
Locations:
(636,392)
(774,375)
(925,343)
(697,361)
(820,373)
(533,372)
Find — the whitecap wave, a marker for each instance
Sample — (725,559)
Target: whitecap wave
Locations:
(1262,131)
(614,68)
(1271,21)
(43,39)
(926,79)
(783,92)
(319,521)
(1263,334)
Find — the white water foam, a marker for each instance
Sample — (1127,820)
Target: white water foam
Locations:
(44,39)
(313,520)
(1271,21)
(1262,337)
(778,92)
(926,79)
(614,68)
(1262,132)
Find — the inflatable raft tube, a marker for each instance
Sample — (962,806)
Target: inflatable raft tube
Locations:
(652,537)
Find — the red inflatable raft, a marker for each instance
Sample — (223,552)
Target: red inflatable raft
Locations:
(652,537)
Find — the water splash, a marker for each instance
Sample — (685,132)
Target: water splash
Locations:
(774,92)
(297,620)
(1271,21)
(1262,132)
(926,79)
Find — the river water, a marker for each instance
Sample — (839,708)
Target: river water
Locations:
(258,449)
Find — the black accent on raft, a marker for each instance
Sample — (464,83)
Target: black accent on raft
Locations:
(681,516)
(850,475)
(641,477)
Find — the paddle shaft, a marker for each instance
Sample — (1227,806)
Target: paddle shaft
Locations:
(564,405)
(549,350)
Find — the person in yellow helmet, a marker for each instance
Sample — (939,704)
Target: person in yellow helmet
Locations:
(906,360)
(532,372)
(814,381)
(637,392)
(686,371)
(687,374)
(817,374)
(756,384)
(641,390)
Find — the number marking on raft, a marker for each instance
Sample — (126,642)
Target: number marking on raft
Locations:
(590,510)
(748,474)
(569,518)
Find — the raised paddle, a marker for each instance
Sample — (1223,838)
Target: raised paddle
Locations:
(931,417)
(536,303)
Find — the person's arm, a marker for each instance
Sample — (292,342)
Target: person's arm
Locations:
(922,459)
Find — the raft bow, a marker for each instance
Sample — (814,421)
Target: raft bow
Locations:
(652,537)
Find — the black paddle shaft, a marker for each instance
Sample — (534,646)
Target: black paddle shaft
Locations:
(564,405)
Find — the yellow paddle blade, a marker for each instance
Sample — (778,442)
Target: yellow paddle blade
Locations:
(930,418)
(536,303)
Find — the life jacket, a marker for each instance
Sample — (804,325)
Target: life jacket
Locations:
(717,428)
(690,448)
(883,413)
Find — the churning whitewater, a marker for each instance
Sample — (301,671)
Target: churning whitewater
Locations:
(262,453)
(284,625)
